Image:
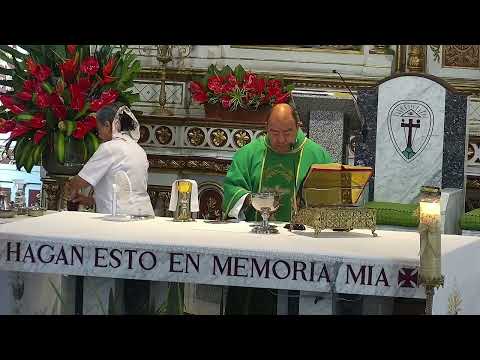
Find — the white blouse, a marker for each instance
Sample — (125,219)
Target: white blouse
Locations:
(119,154)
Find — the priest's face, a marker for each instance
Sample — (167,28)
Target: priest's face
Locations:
(282,133)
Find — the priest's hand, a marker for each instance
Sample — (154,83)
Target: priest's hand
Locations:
(87,201)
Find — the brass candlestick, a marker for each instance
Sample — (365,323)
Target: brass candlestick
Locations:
(165,54)
(183,212)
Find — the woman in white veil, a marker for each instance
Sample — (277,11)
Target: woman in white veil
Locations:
(119,153)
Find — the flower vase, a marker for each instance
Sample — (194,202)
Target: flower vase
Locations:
(73,162)
(215,112)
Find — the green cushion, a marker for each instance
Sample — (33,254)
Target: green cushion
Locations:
(471,220)
(395,214)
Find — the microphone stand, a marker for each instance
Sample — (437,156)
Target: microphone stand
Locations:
(357,109)
(293,210)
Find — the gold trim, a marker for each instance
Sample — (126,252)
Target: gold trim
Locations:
(195,122)
(337,218)
(456,67)
(217,166)
(288,48)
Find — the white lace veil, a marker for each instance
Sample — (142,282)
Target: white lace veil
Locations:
(116,126)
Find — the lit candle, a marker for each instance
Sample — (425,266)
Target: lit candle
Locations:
(430,237)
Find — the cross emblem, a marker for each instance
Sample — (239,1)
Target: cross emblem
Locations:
(408,277)
(408,152)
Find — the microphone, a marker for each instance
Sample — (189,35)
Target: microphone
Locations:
(357,109)
(293,210)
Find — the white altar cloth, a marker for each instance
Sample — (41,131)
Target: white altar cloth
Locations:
(79,243)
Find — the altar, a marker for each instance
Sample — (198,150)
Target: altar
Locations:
(226,254)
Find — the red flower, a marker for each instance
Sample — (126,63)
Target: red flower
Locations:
(42,72)
(80,131)
(71,49)
(95,105)
(90,122)
(19,131)
(232,80)
(78,98)
(37,122)
(6,126)
(200,97)
(198,94)
(215,84)
(11,105)
(109,96)
(225,102)
(90,66)
(67,69)
(282,98)
(60,111)
(195,87)
(55,100)
(274,84)
(249,81)
(84,85)
(107,80)
(228,87)
(7,101)
(31,65)
(38,136)
(260,85)
(58,107)
(42,100)
(274,92)
(107,69)
(30,86)
(24,95)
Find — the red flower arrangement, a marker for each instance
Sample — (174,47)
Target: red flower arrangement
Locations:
(239,89)
(56,90)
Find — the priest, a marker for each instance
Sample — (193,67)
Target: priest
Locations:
(277,162)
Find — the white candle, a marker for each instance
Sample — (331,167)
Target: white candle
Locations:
(430,241)
(114,200)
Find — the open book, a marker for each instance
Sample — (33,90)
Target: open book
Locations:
(334,184)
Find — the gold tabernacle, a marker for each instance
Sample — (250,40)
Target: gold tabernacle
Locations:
(330,193)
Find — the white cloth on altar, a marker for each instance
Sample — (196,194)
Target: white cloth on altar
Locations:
(459,253)
(194,206)
(460,293)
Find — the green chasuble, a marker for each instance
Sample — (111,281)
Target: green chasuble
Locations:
(257,168)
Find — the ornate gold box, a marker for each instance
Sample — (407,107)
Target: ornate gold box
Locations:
(330,194)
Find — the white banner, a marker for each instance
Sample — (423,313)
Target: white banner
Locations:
(356,277)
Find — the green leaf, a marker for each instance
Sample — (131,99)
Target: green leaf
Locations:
(5,57)
(24,117)
(13,52)
(212,70)
(227,70)
(290,88)
(9,72)
(6,83)
(239,73)
(51,121)
(83,111)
